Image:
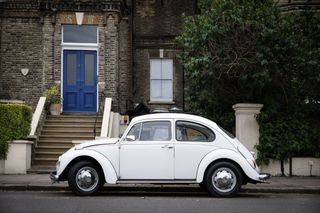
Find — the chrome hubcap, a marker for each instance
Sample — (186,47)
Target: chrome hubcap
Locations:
(224,179)
(87,178)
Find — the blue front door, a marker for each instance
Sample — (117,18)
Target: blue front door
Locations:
(79,81)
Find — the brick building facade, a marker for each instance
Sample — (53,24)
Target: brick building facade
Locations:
(123,49)
(45,38)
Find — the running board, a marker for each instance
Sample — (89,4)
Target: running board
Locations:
(123,181)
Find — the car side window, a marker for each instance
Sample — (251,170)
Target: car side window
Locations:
(135,131)
(151,131)
(190,131)
(156,131)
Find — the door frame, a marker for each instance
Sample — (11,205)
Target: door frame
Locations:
(79,48)
(161,146)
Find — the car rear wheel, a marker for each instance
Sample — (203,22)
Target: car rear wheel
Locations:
(85,178)
(223,179)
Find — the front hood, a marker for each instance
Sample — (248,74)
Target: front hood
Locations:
(101,141)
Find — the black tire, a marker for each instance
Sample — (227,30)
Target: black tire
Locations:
(92,178)
(203,186)
(223,179)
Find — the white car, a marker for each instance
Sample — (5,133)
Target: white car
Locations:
(166,148)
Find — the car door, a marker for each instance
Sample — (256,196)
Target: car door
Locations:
(147,153)
(193,141)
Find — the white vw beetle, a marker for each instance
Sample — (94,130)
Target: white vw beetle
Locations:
(161,148)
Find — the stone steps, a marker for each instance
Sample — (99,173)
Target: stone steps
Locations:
(56,138)
(42,169)
(53,148)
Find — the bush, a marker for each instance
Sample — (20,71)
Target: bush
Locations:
(15,123)
(53,95)
(284,135)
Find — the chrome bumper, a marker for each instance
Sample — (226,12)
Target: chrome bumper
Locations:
(54,177)
(263,177)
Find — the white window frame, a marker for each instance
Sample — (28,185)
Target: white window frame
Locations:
(161,99)
(79,44)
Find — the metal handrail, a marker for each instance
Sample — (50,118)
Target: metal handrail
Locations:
(97,114)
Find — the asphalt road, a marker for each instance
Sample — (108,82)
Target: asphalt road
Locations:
(145,202)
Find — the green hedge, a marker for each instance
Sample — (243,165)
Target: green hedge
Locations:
(15,123)
(287,134)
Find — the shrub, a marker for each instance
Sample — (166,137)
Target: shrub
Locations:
(284,135)
(53,96)
(15,123)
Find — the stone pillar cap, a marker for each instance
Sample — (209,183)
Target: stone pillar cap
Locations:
(247,106)
(21,142)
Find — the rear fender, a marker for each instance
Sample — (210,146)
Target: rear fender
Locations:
(228,155)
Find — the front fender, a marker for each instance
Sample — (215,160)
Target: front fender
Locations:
(226,154)
(108,169)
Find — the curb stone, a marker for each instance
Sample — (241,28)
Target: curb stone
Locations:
(156,189)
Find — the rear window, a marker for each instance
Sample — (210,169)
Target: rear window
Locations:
(189,131)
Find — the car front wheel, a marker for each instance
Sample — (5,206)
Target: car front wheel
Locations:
(85,178)
(223,179)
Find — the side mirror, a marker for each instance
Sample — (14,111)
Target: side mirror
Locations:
(130,138)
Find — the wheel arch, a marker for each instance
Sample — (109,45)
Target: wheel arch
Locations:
(248,173)
(244,176)
(64,174)
(109,173)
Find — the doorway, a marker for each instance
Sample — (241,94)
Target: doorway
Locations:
(79,81)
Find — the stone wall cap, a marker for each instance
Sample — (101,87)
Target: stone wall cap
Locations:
(3,101)
(21,142)
(247,106)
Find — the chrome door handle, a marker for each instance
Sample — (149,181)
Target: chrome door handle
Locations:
(167,146)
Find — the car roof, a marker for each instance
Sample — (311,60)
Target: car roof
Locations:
(171,116)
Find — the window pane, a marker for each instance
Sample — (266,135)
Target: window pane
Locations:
(71,69)
(188,131)
(167,89)
(155,69)
(135,130)
(167,68)
(79,34)
(156,131)
(89,69)
(155,89)
(161,75)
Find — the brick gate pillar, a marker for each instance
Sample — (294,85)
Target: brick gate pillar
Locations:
(112,59)
(48,75)
(247,128)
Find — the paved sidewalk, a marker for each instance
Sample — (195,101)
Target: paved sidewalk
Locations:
(41,182)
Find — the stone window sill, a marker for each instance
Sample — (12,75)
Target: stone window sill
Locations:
(162,102)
